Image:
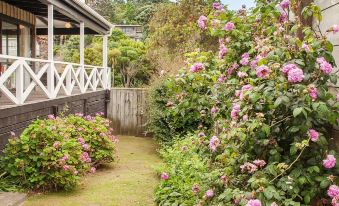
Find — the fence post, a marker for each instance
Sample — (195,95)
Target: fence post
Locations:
(19,82)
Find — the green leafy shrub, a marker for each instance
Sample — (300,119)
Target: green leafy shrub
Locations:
(53,154)
(271,109)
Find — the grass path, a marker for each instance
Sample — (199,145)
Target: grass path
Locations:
(129,182)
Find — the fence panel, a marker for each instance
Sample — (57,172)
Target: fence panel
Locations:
(127,110)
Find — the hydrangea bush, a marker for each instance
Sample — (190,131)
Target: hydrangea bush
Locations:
(53,154)
(271,110)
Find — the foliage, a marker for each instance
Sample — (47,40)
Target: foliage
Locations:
(267,95)
(53,154)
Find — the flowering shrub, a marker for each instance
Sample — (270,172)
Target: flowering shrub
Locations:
(266,141)
(53,154)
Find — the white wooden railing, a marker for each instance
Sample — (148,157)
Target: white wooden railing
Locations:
(26,75)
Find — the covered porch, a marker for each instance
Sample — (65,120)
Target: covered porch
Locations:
(27,78)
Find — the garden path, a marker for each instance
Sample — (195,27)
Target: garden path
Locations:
(129,182)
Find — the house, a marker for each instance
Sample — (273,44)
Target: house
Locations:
(32,87)
(132,31)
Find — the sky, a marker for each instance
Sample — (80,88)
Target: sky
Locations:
(236,4)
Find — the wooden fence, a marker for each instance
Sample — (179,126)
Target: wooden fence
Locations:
(127,109)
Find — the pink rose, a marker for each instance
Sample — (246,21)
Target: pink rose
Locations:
(209,193)
(164,176)
(329,162)
(333,191)
(263,72)
(313,134)
(255,202)
(229,26)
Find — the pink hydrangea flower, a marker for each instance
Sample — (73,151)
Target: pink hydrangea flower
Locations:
(235,111)
(202,22)
(56,144)
(259,163)
(223,51)
(335,28)
(324,65)
(313,135)
(197,67)
(209,193)
(164,176)
(263,72)
(66,167)
(329,162)
(214,110)
(295,75)
(93,169)
(333,191)
(214,143)
(195,189)
(306,47)
(254,202)
(229,26)
(285,4)
(313,92)
(249,167)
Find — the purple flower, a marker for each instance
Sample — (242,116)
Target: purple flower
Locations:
(245,59)
(295,75)
(202,22)
(285,4)
(222,78)
(249,167)
(196,67)
(335,29)
(201,134)
(214,143)
(244,89)
(254,202)
(288,67)
(66,167)
(313,92)
(195,189)
(263,72)
(306,47)
(329,162)
(89,117)
(217,6)
(85,157)
(283,17)
(209,193)
(164,176)
(93,169)
(333,191)
(51,116)
(324,65)
(81,140)
(214,110)
(235,111)
(229,26)
(313,135)
(85,146)
(222,52)
(65,158)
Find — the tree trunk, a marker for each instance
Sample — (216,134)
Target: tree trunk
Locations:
(305,22)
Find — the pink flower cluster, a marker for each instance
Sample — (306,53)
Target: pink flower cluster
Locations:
(333,192)
(85,157)
(196,67)
(202,22)
(214,143)
(218,6)
(56,144)
(313,135)
(235,111)
(294,73)
(245,59)
(306,47)
(254,63)
(252,167)
(285,4)
(209,193)
(93,169)
(254,202)
(313,92)
(329,162)
(222,78)
(164,176)
(231,68)
(229,26)
(242,92)
(324,65)
(214,110)
(223,51)
(259,163)
(283,17)
(242,74)
(263,71)
(65,158)
(51,116)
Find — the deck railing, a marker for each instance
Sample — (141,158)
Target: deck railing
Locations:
(22,76)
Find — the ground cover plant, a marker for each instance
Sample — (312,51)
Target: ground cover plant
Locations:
(54,153)
(269,108)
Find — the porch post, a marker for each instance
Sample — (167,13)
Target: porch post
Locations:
(50,71)
(104,62)
(82,56)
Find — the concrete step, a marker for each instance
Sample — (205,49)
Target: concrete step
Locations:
(12,198)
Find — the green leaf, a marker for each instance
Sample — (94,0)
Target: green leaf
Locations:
(297,111)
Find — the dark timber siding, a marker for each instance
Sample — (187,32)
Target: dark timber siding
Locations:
(17,118)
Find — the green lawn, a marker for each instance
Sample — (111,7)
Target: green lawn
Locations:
(129,182)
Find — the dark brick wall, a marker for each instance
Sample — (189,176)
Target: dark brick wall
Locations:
(17,118)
